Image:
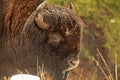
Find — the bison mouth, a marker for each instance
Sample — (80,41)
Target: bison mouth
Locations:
(65,75)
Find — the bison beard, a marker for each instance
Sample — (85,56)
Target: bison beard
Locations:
(52,35)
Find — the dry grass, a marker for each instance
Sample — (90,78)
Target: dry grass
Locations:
(108,75)
(116,73)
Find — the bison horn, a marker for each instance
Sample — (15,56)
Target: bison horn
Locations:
(71,6)
(39,19)
(41,6)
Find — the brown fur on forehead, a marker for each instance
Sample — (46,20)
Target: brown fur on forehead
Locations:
(60,18)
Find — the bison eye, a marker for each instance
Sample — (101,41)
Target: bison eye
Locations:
(55,39)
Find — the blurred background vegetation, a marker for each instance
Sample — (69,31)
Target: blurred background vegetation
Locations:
(102,18)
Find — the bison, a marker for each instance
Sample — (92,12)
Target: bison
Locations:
(51,36)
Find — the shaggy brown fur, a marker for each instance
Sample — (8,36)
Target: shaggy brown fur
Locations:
(57,48)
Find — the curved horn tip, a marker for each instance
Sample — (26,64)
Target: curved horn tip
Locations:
(42,5)
(71,6)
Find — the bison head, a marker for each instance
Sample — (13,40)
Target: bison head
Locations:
(53,35)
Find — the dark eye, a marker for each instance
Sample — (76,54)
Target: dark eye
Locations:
(55,39)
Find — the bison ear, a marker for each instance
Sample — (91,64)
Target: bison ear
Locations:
(39,19)
(71,6)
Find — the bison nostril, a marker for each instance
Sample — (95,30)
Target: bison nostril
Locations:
(74,63)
